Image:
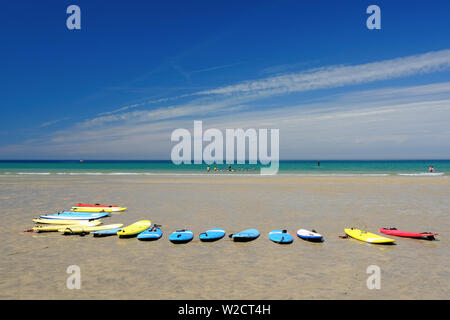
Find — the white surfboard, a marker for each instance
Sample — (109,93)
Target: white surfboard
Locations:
(309,235)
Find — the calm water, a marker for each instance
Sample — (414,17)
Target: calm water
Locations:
(329,167)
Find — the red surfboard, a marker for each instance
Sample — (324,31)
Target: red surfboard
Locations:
(399,233)
(93,205)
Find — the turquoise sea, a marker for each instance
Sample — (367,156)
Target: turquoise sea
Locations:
(325,167)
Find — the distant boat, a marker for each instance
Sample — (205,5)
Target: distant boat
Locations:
(81,160)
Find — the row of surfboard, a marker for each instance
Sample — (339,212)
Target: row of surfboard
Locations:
(82,221)
(144,231)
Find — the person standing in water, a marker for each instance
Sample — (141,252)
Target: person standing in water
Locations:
(431,169)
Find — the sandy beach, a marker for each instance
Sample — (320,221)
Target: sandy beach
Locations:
(33,266)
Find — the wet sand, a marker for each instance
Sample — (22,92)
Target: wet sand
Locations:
(33,266)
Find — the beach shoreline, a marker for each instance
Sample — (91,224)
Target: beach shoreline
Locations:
(34,265)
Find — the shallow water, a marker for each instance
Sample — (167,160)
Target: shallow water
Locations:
(33,266)
(167,167)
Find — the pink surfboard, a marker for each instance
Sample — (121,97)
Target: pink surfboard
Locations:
(399,233)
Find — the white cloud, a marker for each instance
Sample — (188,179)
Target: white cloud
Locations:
(329,77)
(52,122)
(337,76)
(350,125)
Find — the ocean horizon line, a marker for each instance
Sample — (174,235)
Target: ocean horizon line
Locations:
(170,161)
(421,167)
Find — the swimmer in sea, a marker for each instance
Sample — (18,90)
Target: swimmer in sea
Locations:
(431,169)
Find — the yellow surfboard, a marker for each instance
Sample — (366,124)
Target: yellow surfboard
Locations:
(135,228)
(64,222)
(56,227)
(367,236)
(98,209)
(77,229)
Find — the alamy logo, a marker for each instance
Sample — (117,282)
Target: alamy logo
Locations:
(374,280)
(374,20)
(74,20)
(235,147)
(74,280)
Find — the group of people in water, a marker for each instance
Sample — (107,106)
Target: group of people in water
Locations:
(229,169)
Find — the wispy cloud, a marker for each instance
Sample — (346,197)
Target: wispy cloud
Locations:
(216,67)
(284,68)
(147,116)
(314,79)
(345,126)
(134,105)
(337,76)
(52,122)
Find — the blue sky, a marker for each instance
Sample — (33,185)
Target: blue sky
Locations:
(137,70)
